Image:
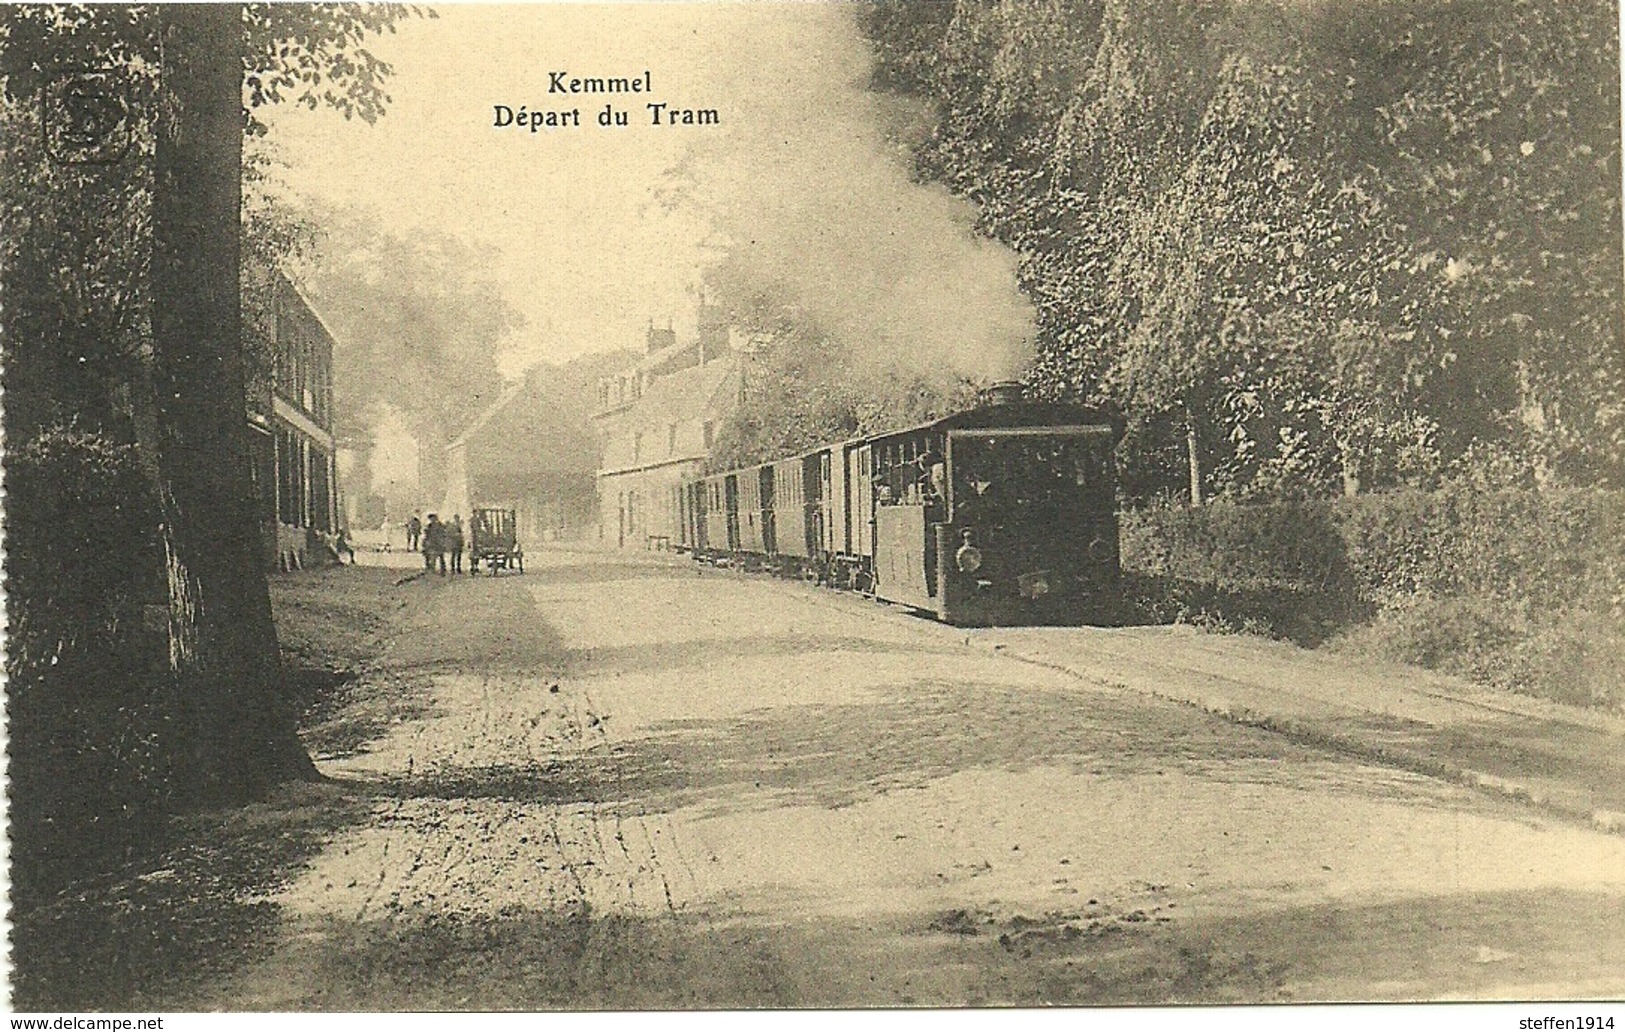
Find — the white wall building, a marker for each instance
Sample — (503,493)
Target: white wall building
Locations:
(658,420)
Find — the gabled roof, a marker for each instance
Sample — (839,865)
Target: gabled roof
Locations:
(509,393)
(684,399)
(682,395)
(299,293)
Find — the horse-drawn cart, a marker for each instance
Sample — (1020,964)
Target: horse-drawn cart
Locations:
(494,540)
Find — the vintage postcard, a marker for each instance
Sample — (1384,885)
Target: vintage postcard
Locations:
(712,506)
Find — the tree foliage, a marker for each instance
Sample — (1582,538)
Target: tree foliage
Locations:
(77,237)
(418,327)
(115,299)
(309,54)
(802,388)
(1344,241)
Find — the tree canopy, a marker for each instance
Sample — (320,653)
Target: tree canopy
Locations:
(419,325)
(1345,242)
(802,386)
(122,132)
(77,240)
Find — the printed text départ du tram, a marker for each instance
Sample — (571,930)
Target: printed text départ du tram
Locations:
(659,113)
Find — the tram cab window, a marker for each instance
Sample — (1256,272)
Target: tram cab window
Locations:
(1034,474)
(910,472)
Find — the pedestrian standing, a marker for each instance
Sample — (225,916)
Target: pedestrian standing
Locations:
(434,544)
(414,530)
(454,534)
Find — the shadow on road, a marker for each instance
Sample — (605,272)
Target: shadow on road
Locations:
(160,939)
(191,929)
(135,940)
(530,960)
(571,568)
(717,653)
(839,755)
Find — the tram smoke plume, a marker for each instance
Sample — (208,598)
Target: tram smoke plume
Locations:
(811,194)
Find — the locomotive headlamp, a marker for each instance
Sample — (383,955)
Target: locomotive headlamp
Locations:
(969,557)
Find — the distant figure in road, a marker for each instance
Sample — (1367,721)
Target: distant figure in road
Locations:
(454,540)
(414,529)
(342,547)
(434,545)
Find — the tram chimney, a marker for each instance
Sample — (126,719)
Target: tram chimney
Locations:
(1003,392)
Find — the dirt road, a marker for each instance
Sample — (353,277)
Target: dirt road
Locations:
(631,783)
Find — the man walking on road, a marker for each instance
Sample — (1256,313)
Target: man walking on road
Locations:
(454,540)
(434,545)
(414,528)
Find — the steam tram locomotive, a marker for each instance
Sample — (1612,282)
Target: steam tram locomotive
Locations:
(1003,514)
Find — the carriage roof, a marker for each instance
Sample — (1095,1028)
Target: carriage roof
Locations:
(1008,414)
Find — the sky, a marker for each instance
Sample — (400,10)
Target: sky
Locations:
(588,253)
(599,231)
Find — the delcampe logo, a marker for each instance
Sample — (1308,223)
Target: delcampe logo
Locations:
(87,117)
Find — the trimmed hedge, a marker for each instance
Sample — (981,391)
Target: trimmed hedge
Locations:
(1547,549)
(1522,588)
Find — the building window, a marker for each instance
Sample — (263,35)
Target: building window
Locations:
(671,439)
(637,447)
(321,491)
(264,448)
(292,485)
(708,429)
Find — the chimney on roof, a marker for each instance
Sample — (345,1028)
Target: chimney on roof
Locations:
(659,340)
(1004,392)
(713,327)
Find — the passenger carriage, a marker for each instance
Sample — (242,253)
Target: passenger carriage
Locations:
(1003,514)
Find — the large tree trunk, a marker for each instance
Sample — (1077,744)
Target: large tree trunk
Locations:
(238,722)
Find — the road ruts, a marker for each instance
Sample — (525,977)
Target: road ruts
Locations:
(637,785)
